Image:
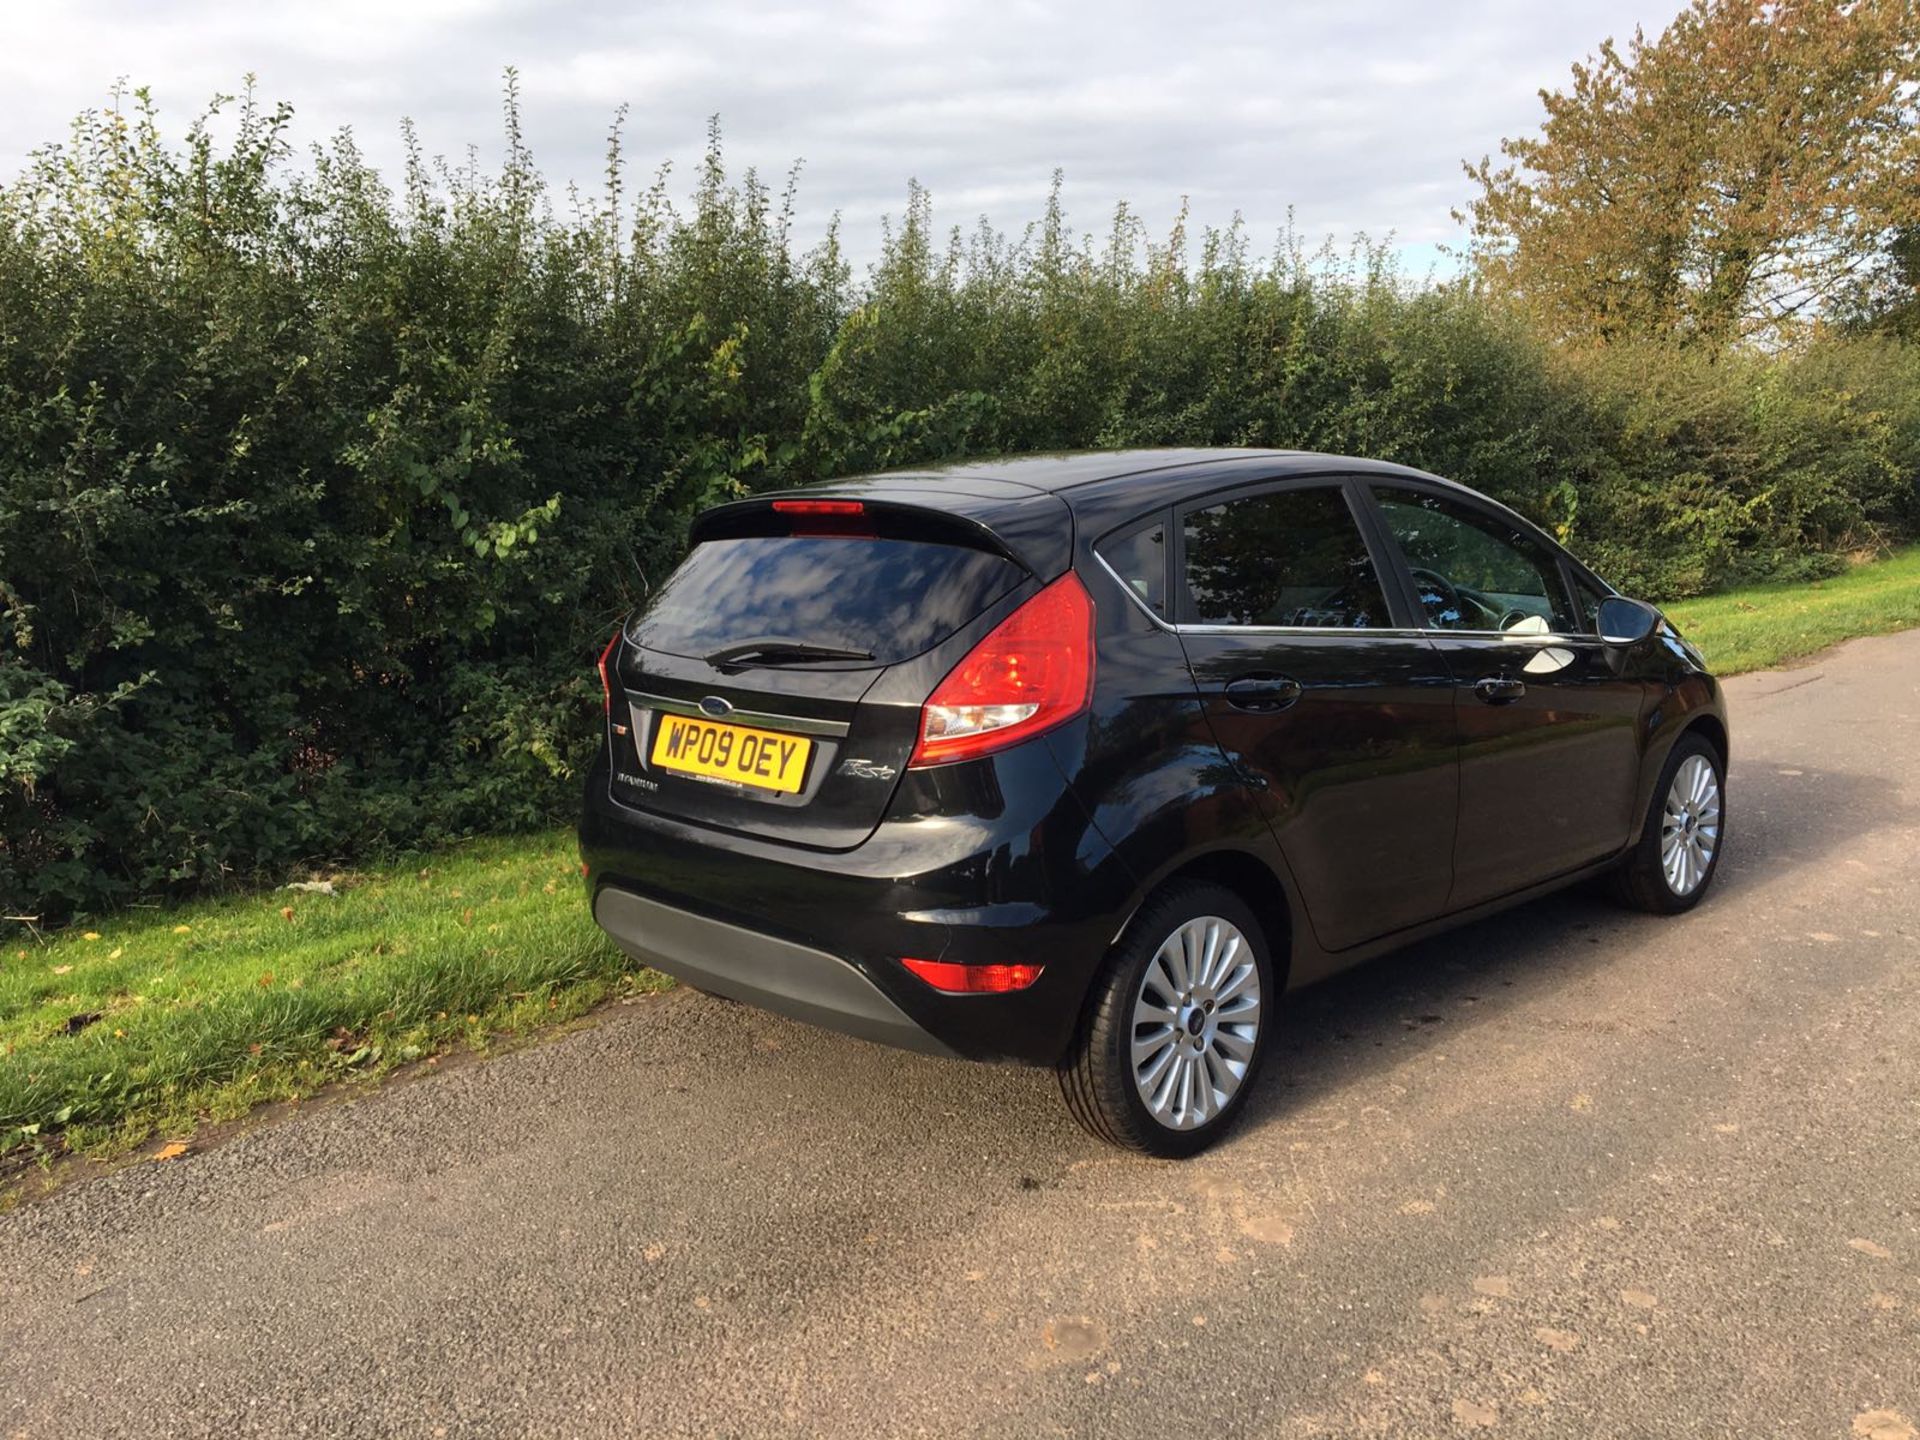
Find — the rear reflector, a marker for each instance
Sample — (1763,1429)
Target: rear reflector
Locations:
(1033,671)
(606,680)
(819,507)
(954,979)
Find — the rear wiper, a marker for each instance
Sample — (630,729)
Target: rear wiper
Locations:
(781,652)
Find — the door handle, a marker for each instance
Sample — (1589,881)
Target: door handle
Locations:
(1498,689)
(1263,692)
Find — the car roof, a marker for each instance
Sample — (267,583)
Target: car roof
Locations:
(1006,477)
(1059,470)
(1019,497)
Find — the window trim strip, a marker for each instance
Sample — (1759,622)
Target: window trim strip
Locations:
(1394,632)
(1355,486)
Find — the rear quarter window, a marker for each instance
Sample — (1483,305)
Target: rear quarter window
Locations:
(1139,559)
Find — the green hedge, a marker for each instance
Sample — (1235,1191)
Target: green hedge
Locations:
(317,498)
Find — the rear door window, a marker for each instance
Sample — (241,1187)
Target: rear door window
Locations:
(1289,558)
(888,599)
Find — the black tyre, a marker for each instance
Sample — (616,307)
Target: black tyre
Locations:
(1674,861)
(1176,1025)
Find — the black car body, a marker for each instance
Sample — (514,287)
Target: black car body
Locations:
(1288,699)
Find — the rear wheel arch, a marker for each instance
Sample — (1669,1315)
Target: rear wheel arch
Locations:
(1164,1058)
(1253,881)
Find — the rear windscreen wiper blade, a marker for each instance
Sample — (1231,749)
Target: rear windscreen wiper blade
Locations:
(781,652)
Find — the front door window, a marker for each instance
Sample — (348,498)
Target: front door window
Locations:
(1473,570)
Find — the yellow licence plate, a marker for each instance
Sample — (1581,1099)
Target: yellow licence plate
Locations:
(745,756)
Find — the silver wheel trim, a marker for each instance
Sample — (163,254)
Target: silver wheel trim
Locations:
(1690,825)
(1196,1020)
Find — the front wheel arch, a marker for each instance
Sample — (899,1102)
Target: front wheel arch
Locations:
(1638,880)
(1714,731)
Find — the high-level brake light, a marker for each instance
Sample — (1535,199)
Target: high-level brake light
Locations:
(820,507)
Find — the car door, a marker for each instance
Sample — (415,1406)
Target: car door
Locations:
(1332,707)
(1549,729)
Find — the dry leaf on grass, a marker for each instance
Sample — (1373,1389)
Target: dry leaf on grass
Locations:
(172,1150)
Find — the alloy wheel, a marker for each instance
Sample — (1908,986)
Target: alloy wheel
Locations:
(1690,826)
(1196,1022)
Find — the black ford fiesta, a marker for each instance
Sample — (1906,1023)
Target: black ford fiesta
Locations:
(1087,760)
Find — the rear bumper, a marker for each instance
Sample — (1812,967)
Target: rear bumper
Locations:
(758,969)
(980,863)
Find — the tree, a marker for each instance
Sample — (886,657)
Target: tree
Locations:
(1885,298)
(1732,179)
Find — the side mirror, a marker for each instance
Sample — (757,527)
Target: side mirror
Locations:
(1626,622)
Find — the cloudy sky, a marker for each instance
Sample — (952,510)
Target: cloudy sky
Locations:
(1355,114)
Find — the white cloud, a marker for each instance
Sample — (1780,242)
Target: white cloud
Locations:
(1357,116)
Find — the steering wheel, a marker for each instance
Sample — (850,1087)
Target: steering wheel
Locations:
(1443,587)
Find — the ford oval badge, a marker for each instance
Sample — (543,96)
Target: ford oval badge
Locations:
(716,706)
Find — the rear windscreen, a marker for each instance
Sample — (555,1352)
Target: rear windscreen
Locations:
(889,598)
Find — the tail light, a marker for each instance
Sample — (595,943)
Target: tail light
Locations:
(951,979)
(1032,672)
(606,678)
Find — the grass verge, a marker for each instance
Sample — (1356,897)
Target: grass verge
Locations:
(1767,625)
(156,1019)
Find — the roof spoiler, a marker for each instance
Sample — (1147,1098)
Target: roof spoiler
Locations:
(814,513)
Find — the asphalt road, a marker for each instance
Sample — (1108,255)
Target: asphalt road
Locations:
(1569,1172)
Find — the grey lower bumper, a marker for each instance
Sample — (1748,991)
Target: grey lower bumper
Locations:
(758,969)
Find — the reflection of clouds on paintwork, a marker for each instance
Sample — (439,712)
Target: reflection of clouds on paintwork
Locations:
(893,598)
(1358,115)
